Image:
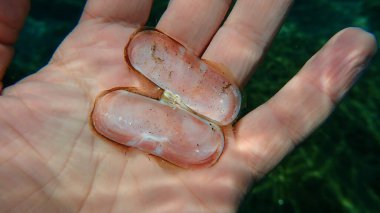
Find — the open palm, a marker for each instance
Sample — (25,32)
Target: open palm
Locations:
(51,159)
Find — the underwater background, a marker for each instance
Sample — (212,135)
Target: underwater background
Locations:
(337,169)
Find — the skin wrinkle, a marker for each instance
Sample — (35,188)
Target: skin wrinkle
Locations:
(76,138)
(124,167)
(265,148)
(252,160)
(31,194)
(66,162)
(199,200)
(252,55)
(79,82)
(12,93)
(11,157)
(40,190)
(23,139)
(91,185)
(81,71)
(53,206)
(136,185)
(31,111)
(353,64)
(254,37)
(50,196)
(96,167)
(58,174)
(235,166)
(236,185)
(230,190)
(348,61)
(58,61)
(4,161)
(41,186)
(293,134)
(64,165)
(92,146)
(281,119)
(333,100)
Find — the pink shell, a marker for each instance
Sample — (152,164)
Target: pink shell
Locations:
(199,85)
(171,133)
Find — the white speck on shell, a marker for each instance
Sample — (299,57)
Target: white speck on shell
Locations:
(182,51)
(158,150)
(203,67)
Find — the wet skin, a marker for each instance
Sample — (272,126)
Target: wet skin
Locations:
(51,159)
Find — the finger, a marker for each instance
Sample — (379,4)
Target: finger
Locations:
(12,17)
(246,33)
(268,133)
(193,23)
(6,53)
(135,12)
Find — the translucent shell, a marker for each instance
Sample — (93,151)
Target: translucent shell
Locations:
(169,132)
(196,84)
(181,125)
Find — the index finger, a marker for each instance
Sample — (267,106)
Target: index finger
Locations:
(12,17)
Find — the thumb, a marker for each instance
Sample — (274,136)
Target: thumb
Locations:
(12,17)
(6,53)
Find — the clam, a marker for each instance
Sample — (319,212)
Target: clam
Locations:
(183,125)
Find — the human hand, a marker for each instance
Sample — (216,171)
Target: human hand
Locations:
(51,159)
